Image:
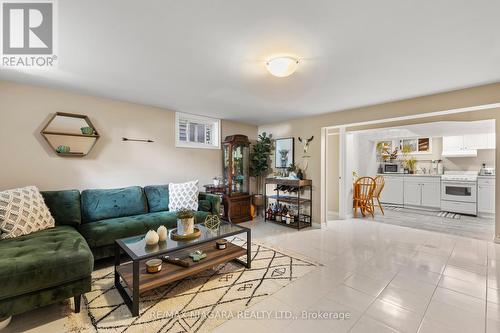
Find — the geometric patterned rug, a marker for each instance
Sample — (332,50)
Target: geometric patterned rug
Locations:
(195,304)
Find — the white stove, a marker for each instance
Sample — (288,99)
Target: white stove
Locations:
(462,176)
(459,192)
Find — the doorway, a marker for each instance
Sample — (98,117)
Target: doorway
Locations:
(339,172)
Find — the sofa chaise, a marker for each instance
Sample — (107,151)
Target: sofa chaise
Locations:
(55,264)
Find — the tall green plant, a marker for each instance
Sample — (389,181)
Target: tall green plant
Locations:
(259,158)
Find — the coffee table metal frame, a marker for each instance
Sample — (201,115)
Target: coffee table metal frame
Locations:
(133,302)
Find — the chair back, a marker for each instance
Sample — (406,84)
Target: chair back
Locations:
(364,188)
(379,185)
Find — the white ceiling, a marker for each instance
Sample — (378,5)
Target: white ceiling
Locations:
(207,57)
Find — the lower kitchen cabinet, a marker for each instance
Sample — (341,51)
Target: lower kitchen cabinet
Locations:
(486,196)
(422,191)
(413,193)
(431,194)
(393,192)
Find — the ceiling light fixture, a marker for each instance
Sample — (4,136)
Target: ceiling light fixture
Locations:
(282,66)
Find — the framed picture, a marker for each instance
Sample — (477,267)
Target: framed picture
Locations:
(284,152)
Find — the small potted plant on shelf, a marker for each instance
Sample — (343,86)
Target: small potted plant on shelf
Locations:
(292,171)
(185,222)
(259,165)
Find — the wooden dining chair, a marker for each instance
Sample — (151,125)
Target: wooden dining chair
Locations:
(362,197)
(379,186)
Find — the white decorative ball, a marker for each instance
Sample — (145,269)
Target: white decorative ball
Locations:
(151,238)
(162,233)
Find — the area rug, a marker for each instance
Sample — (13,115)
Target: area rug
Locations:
(447,215)
(195,304)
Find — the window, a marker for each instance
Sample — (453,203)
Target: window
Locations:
(196,131)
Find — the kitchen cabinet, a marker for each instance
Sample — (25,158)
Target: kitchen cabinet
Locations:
(453,143)
(393,192)
(486,196)
(431,194)
(467,145)
(491,141)
(422,191)
(475,141)
(412,193)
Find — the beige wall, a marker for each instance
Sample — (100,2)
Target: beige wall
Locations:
(27,160)
(456,99)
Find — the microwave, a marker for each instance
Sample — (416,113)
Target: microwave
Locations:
(391,168)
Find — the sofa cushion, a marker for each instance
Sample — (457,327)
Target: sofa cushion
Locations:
(157,196)
(183,196)
(214,200)
(23,211)
(106,204)
(42,260)
(204,205)
(64,206)
(105,232)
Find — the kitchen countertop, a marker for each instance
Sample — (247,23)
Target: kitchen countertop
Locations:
(408,175)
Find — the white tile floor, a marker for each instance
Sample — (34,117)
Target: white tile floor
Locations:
(387,278)
(390,278)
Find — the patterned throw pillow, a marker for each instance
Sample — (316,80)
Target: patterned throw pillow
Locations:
(23,211)
(183,196)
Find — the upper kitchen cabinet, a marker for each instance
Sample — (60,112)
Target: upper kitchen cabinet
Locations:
(467,145)
(491,141)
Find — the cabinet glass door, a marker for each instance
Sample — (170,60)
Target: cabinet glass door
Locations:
(240,171)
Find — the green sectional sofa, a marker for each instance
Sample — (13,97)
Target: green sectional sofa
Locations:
(55,264)
(111,214)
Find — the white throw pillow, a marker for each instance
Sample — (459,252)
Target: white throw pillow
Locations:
(23,211)
(183,196)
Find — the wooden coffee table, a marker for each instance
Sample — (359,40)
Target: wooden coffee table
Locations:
(137,280)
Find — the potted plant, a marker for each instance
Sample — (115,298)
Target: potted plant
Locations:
(259,164)
(409,162)
(185,222)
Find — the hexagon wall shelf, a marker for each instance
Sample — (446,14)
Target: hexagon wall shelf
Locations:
(67,129)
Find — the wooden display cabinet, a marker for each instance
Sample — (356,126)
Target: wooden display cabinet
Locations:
(235,162)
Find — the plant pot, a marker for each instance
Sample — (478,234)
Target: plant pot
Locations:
(185,226)
(4,322)
(258,200)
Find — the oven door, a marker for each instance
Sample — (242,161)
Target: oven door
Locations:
(459,191)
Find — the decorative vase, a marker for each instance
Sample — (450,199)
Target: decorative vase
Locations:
(162,233)
(63,149)
(87,130)
(185,226)
(258,200)
(151,238)
(300,174)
